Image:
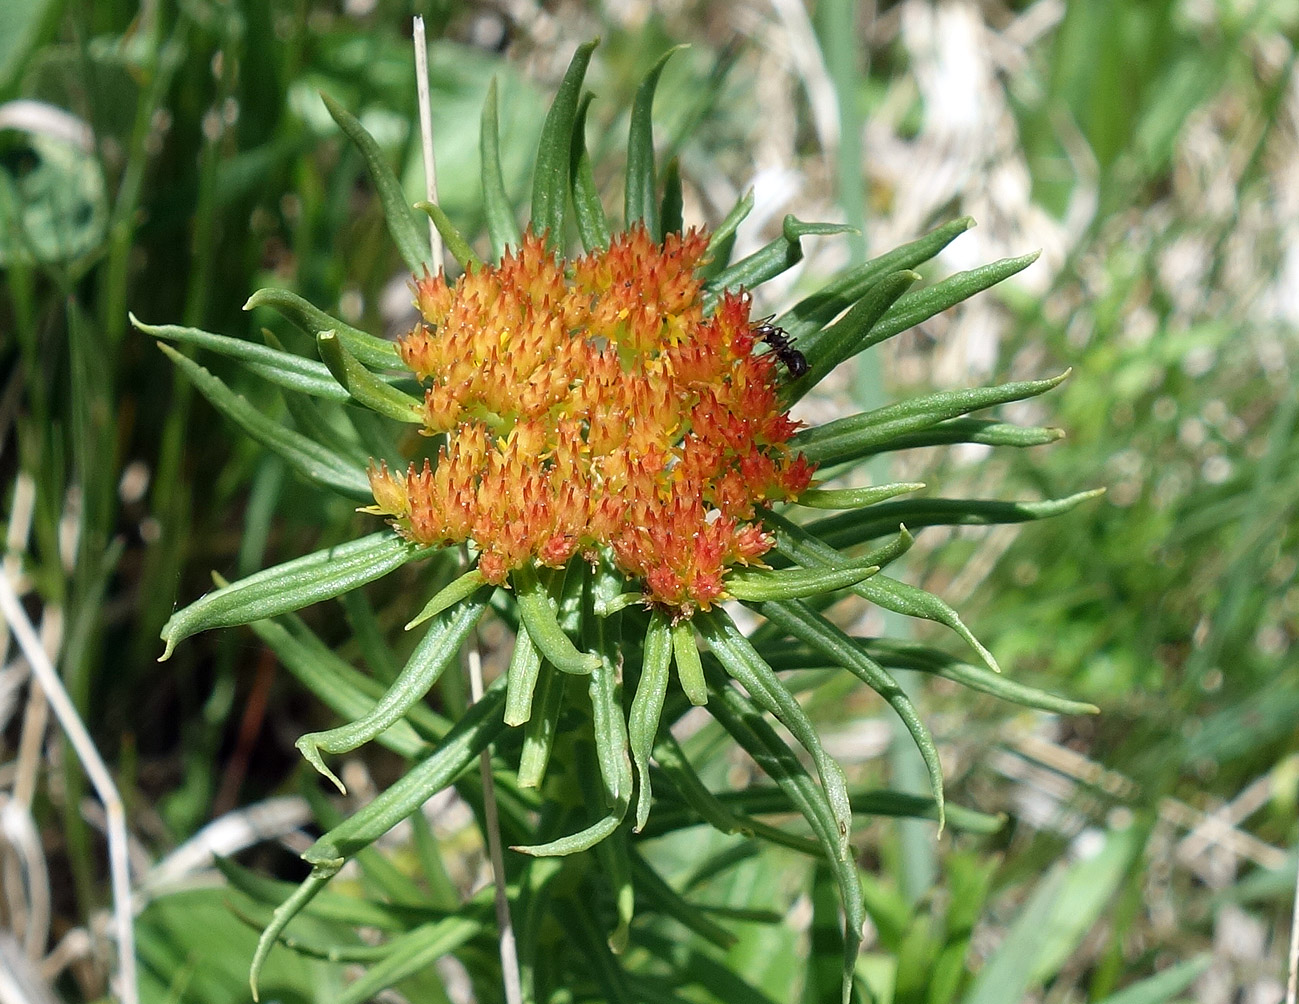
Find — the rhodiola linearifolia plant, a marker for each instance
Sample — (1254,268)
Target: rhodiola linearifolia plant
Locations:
(606,458)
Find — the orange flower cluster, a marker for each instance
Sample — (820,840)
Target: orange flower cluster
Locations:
(595,410)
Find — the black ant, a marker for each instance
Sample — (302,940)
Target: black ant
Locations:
(778,339)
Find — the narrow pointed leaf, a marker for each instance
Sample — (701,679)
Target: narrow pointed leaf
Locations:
(538,613)
(834,644)
(984,431)
(474,732)
(502,227)
(449,595)
(913,601)
(405,233)
(640,192)
(588,210)
(612,747)
(855,498)
(808,318)
(574,843)
(662,898)
(743,720)
(718,255)
(647,706)
(451,237)
(851,437)
(797,544)
(690,670)
(523,672)
(550,179)
(852,528)
(366,347)
(850,334)
(311,460)
(363,386)
(412,953)
(438,650)
(539,732)
(769,261)
(755,585)
(284,913)
(742,661)
(307,376)
(293,585)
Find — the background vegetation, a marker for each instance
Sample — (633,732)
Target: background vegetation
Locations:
(1148,147)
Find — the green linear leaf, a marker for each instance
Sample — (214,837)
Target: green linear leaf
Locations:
(743,720)
(741,660)
(612,746)
(311,460)
(769,261)
(800,546)
(292,586)
(718,254)
(451,237)
(913,601)
(855,498)
(824,637)
(850,334)
(848,529)
(550,179)
(592,226)
(807,319)
(640,199)
(1164,985)
(472,733)
(539,732)
(672,208)
(984,431)
(366,347)
(412,953)
(848,438)
(662,898)
(307,376)
(363,386)
(284,913)
(690,670)
(502,227)
(396,210)
(647,706)
(522,674)
(755,585)
(462,587)
(438,650)
(537,612)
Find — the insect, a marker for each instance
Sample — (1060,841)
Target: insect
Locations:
(779,340)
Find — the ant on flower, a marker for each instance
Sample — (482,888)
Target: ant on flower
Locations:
(779,340)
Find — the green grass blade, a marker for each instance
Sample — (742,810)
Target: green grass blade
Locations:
(550,179)
(402,225)
(588,210)
(438,650)
(363,386)
(640,198)
(502,227)
(311,460)
(366,347)
(293,585)
(1163,986)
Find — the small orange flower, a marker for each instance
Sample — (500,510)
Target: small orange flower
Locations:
(600,410)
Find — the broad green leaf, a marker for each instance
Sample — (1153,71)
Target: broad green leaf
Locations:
(451,237)
(756,585)
(311,460)
(850,334)
(366,347)
(502,227)
(363,386)
(438,650)
(640,196)
(550,179)
(307,376)
(824,637)
(769,261)
(588,210)
(741,660)
(855,498)
(808,319)
(849,438)
(537,611)
(647,706)
(396,210)
(849,529)
(293,585)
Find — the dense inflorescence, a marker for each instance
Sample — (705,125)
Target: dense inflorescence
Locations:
(598,408)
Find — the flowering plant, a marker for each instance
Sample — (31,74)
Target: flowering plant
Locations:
(605,455)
